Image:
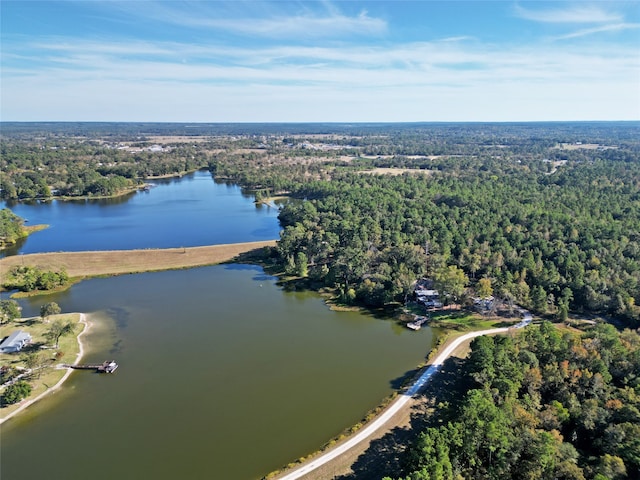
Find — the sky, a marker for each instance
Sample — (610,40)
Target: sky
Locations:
(321,61)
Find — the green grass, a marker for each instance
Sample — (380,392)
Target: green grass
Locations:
(463,320)
(49,376)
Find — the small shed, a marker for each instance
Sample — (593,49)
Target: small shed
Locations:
(15,342)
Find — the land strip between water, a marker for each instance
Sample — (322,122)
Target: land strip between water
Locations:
(118,262)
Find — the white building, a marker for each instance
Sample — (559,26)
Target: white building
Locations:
(15,342)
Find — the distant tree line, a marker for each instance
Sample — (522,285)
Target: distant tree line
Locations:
(36,170)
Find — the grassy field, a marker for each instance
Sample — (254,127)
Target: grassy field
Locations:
(463,320)
(49,376)
(117,262)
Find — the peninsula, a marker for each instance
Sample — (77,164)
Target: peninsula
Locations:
(118,262)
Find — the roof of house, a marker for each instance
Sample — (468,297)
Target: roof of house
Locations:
(17,337)
(427,293)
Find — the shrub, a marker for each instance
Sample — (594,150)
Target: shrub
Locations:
(15,392)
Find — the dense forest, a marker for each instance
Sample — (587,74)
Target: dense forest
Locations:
(547,213)
(552,228)
(11,227)
(570,239)
(544,404)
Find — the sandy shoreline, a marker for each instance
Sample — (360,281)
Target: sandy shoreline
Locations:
(28,403)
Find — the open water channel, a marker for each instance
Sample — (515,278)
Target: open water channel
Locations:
(223,374)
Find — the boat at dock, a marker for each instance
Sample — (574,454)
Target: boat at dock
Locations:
(108,366)
(417,323)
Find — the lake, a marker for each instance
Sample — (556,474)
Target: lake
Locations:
(223,373)
(180,212)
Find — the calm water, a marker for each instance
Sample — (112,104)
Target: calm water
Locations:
(189,211)
(223,374)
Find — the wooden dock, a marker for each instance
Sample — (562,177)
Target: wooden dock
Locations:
(108,366)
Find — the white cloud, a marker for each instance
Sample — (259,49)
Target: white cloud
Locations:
(617,27)
(440,80)
(306,26)
(257,19)
(574,14)
(450,60)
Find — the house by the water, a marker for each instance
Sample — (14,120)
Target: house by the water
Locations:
(15,342)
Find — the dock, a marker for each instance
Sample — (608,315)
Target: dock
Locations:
(108,366)
(417,323)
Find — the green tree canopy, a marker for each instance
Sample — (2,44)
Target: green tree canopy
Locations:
(15,392)
(48,309)
(9,311)
(57,330)
(450,281)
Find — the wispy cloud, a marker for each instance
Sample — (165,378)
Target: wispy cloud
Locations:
(304,61)
(605,20)
(403,65)
(257,19)
(307,26)
(460,38)
(616,27)
(573,14)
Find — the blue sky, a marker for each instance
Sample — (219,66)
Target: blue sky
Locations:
(324,61)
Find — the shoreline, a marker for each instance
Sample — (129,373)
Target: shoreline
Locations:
(79,265)
(394,409)
(27,230)
(121,193)
(28,403)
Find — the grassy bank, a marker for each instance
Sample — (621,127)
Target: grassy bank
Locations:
(47,377)
(465,321)
(34,228)
(117,262)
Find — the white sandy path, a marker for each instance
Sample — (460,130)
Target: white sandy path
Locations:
(390,411)
(60,382)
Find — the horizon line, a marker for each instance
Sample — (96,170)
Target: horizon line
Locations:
(319,122)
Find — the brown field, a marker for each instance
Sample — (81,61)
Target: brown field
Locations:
(396,171)
(116,262)
(163,139)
